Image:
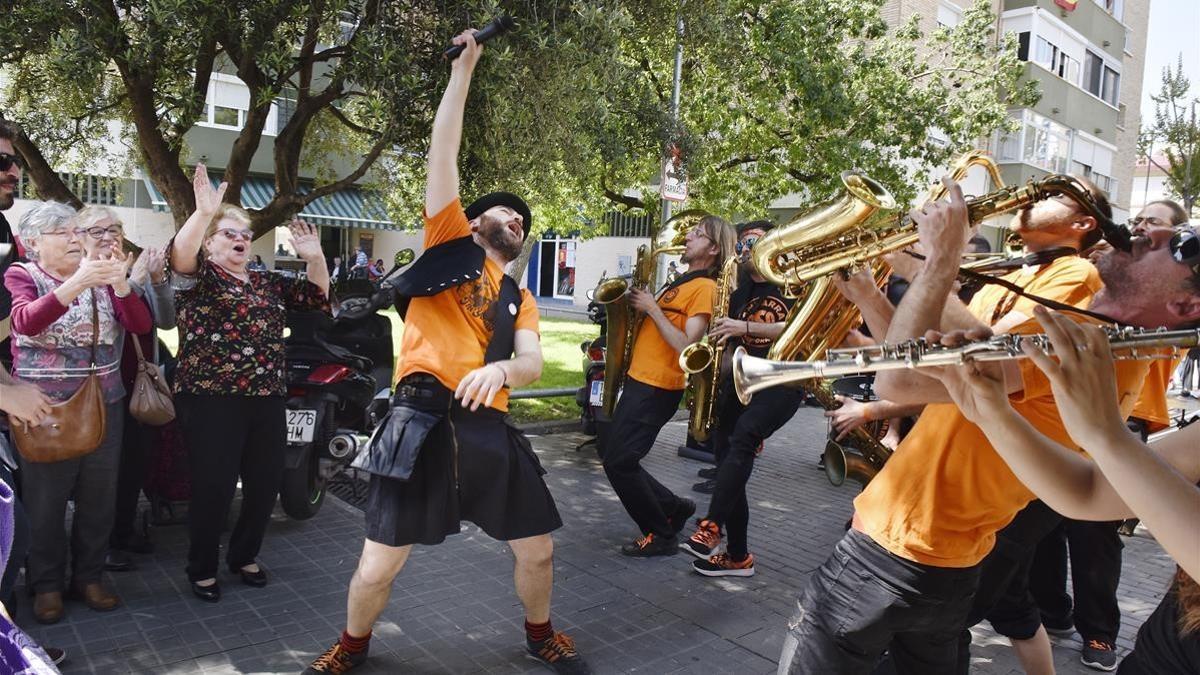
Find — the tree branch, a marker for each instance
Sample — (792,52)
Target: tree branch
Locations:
(49,185)
(346,181)
(627,202)
(353,126)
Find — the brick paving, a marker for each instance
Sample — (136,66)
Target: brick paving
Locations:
(453,610)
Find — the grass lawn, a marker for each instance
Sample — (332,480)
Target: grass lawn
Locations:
(560,348)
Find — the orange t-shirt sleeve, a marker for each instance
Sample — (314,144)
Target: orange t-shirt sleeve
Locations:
(447,224)
(527,317)
(701,301)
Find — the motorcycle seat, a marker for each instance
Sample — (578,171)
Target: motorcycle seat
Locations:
(326,351)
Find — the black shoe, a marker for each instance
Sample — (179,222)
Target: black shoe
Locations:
(650,546)
(1099,655)
(705,487)
(256,579)
(118,561)
(56,655)
(1059,628)
(707,474)
(558,654)
(683,511)
(336,660)
(210,593)
(134,543)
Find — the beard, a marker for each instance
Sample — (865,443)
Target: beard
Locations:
(496,234)
(7,200)
(1114,271)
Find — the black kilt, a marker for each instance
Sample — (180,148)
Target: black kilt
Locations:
(474,466)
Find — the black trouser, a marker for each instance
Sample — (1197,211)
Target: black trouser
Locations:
(1095,575)
(228,437)
(739,434)
(641,412)
(864,600)
(1003,597)
(131,474)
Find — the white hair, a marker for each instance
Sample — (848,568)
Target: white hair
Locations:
(94,213)
(43,217)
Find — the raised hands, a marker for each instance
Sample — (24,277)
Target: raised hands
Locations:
(208,199)
(305,240)
(943,226)
(472,50)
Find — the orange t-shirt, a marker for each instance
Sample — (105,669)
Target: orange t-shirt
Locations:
(446,335)
(945,492)
(655,361)
(1069,279)
(1152,404)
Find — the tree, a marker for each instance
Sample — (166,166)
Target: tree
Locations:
(1176,128)
(572,109)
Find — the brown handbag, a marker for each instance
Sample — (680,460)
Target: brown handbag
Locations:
(150,402)
(74,427)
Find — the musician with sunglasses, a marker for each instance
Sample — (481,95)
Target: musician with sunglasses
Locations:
(903,578)
(757,313)
(230,388)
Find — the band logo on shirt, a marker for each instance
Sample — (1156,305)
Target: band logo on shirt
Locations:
(479,301)
(768,309)
(669,296)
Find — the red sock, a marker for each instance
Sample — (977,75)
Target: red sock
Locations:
(355,644)
(538,632)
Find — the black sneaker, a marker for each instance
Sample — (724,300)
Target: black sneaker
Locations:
(649,546)
(55,654)
(1099,655)
(336,660)
(557,653)
(683,511)
(705,541)
(705,487)
(1061,629)
(708,474)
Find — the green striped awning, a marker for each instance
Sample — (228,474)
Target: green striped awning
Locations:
(352,207)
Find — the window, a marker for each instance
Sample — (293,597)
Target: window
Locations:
(1114,7)
(1050,57)
(1112,83)
(1046,143)
(1100,80)
(90,189)
(1106,183)
(948,16)
(1023,45)
(1129,41)
(226,117)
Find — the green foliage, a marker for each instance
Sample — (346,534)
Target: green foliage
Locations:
(1176,128)
(572,109)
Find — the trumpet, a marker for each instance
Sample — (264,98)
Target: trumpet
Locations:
(751,374)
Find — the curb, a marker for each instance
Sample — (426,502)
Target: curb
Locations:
(544,427)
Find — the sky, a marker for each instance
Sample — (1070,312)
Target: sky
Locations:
(1174,30)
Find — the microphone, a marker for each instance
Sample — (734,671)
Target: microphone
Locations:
(497,26)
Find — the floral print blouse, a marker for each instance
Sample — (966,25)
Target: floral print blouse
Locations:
(231,332)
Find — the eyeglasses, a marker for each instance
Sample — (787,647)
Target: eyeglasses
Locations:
(699,232)
(8,161)
(112,232)
(745,244)
(236,235)
(1185,248)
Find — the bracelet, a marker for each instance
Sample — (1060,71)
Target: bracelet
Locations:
(747,329)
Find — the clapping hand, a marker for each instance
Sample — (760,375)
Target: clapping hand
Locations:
(305,240)
(149,265)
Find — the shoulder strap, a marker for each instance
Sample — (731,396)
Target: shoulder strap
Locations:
(505,311)
(95,327)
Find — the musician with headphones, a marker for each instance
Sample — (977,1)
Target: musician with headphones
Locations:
(904,576)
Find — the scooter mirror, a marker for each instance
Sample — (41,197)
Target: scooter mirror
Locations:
(403,257)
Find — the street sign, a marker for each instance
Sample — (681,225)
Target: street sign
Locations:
(674,184)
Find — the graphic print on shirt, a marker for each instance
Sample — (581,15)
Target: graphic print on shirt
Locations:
(762,309)
(479,301)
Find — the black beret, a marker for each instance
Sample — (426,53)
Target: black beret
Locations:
(508,199)
(764,225)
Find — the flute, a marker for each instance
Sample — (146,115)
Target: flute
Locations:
(751,374)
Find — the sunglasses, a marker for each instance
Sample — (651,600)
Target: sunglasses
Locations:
(8,161)
(235,235)
(745,244)
(1185,249)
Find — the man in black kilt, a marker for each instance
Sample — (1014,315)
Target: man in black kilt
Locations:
(447,452)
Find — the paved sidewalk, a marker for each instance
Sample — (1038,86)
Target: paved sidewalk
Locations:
(453,609)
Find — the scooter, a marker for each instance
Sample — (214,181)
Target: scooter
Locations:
(589,397)
(338,368)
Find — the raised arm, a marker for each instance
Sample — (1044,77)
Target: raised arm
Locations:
(185,250)
(441,187)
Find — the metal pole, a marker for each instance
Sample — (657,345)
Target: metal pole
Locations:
(666,203)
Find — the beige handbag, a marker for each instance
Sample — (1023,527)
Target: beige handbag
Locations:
(150,401)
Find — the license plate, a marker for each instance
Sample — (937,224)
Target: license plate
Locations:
(300,425)
(596,395)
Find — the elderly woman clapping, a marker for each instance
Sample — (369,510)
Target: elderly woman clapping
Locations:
(52,327)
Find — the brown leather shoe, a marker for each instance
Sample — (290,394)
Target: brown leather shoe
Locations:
(99,598)
(48,607)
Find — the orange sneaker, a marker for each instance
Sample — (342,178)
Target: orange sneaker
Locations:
(721,565)
(706,540)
